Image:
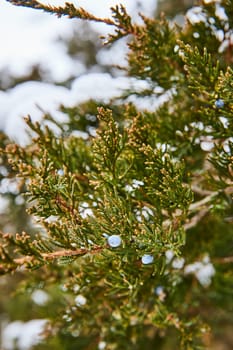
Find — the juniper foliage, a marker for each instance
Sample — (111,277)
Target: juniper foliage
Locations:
(141,235)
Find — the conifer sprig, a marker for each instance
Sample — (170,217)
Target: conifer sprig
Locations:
(67,10)
(34,260)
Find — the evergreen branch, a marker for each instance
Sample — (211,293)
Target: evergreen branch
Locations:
(56,255)
(121,20)
(68,10)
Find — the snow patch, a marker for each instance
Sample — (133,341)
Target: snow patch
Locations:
(23,335)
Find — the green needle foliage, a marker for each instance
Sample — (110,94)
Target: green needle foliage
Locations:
(136,222)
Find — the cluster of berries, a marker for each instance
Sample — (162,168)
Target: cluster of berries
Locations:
(114,241)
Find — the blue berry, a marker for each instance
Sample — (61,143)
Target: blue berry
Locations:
(147,259)
(60,172)
(114,241)
(159,290)
(219,103)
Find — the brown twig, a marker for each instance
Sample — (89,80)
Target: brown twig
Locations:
(67,10)
(59,254)
(225,260)
(202,202)
(196,218)
(201,191)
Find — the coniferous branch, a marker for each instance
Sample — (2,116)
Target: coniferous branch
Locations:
(59,254)
(152,47)
(123,24)
(23,245)
(121,20)
(67,10)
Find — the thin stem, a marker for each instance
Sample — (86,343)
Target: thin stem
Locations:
(67,10)
(225,260)
(59,254)
(199,204)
